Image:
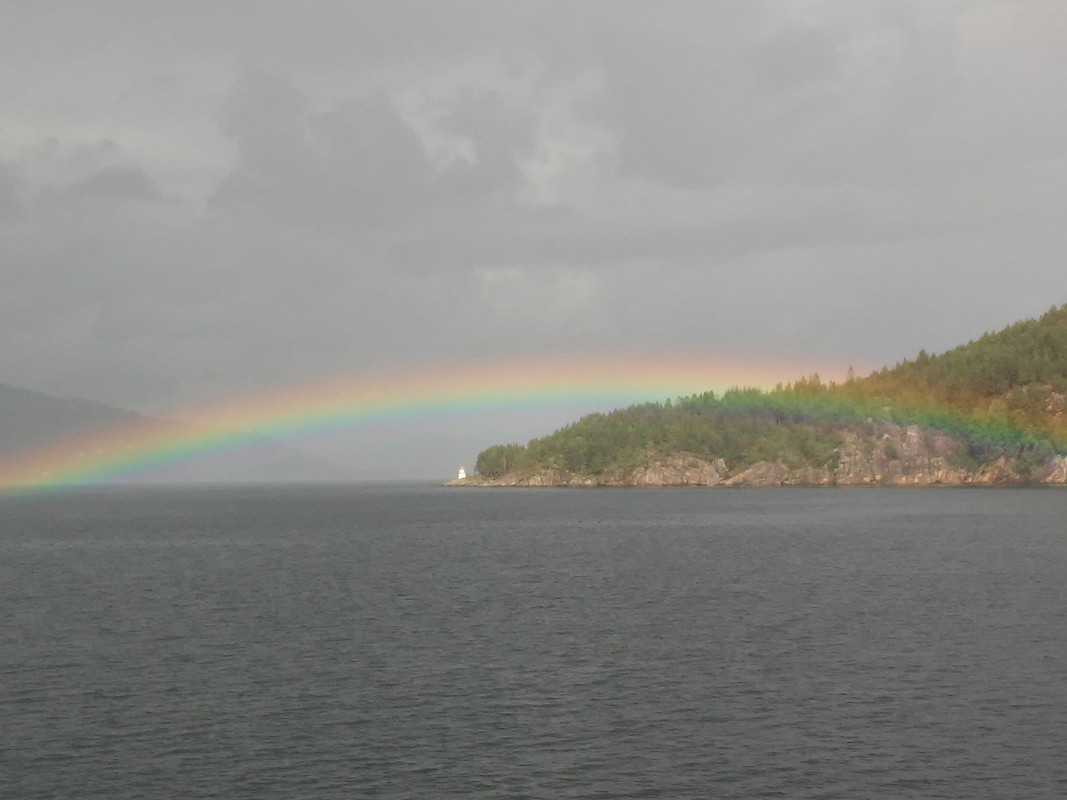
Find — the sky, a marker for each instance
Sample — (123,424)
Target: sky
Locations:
(202,200)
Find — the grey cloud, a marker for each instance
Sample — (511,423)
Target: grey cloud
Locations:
(12,188)
(881,100)
(414,183)
(677,111)
(358,163)
(119,183)
(794,59)
(769,220)
(498,136)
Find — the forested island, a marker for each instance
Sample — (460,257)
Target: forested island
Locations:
(990,412)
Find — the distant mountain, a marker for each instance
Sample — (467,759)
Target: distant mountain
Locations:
(993,411)
(31,421)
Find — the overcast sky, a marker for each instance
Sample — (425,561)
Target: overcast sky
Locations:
(199,199)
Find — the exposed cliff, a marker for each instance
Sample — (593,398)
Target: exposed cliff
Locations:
(898,456)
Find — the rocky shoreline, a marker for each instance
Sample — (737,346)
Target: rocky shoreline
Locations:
(901,456)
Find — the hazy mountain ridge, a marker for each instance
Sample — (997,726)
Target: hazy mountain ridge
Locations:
(31,421)
(990,412)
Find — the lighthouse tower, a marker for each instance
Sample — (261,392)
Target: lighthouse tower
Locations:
(462,474)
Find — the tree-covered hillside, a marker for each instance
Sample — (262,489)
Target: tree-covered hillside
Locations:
(1001,395)
(1016,376)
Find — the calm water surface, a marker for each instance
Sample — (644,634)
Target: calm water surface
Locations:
(418,642)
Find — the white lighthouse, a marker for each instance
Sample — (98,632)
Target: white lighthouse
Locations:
(462,474)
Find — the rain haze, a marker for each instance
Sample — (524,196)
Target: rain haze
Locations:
(202,200)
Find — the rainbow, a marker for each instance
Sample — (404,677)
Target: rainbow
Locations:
(151,445)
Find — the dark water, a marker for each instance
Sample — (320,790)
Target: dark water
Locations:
(416,642)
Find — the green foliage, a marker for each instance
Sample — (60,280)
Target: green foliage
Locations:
(1002,382)
(993,395)
(499,459)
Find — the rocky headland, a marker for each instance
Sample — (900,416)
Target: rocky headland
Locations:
(899,456)
(992,412)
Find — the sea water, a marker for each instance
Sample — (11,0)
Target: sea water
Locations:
(419,642)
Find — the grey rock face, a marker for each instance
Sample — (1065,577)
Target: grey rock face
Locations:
(900,456)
